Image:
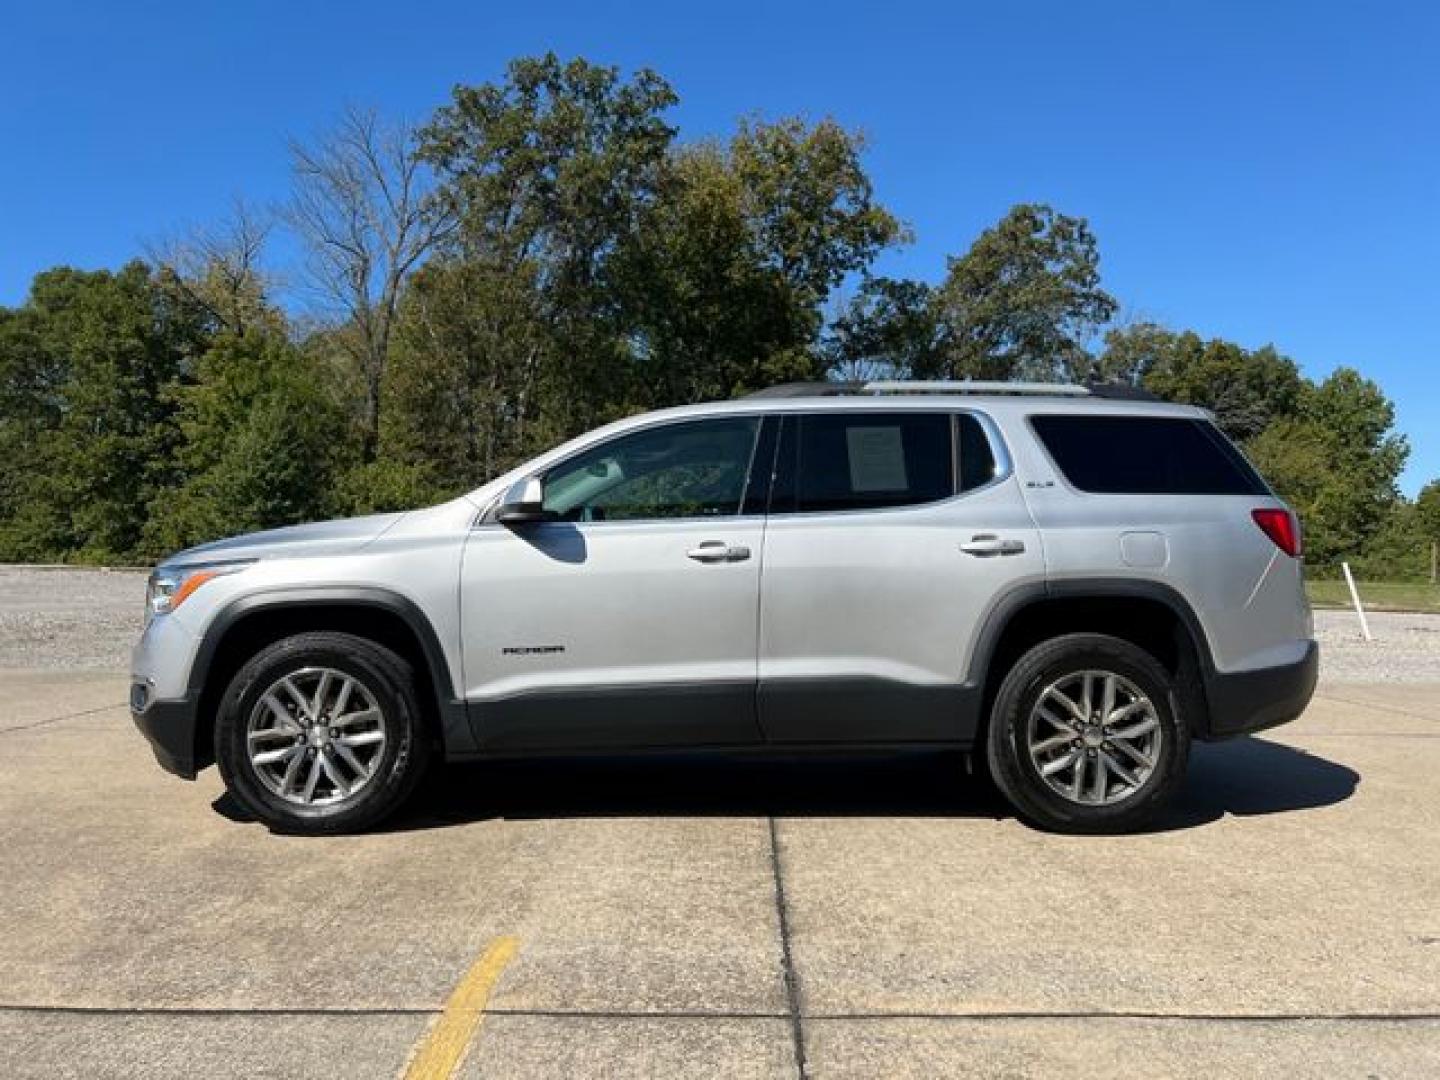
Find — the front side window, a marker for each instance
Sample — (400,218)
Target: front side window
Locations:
(686,470)
(864,461)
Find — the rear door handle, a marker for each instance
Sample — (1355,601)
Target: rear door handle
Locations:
(990,544)
(712,551)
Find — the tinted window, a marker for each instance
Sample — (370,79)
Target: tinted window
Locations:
(977,460)
(1146,455)
(863,461)
(695,469)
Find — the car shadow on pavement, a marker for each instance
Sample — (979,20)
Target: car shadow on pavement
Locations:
(1243,777)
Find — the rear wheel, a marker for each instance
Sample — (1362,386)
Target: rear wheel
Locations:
(321,733)
(1087,736)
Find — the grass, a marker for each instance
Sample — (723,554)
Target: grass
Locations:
(1377,595)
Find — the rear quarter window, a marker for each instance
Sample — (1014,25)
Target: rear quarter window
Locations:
(1146,455)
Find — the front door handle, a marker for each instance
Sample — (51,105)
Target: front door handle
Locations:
(990,544)
(711,551)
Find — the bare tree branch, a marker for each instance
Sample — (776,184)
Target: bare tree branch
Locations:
(221,268)
(365,209)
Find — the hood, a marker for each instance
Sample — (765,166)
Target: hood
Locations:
(318,538)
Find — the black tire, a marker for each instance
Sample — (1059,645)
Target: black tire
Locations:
(1018,777)
(387,678)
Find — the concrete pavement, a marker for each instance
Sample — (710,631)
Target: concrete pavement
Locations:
(685,917)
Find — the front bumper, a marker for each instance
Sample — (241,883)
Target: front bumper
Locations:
(1245,701)
(171,728)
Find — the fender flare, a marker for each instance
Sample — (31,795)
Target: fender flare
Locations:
(1019,597)
(454,721)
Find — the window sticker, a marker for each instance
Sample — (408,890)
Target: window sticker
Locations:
(877,459)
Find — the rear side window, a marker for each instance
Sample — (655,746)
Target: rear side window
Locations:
(1146,455)
(864,461)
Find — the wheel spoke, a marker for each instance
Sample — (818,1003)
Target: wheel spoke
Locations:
(1060,764)
(348,756)
(1120,770)
(1077,784)
(1069,706)
(317,707)
(1055,742)
(361,717)
(341,787)
(296,696)
(292,773)
(279,712)
(343,697)
(274,757)
(1144,727)
(1126,711)
(274,733)
(1098,785)
(1107,695)
(314,778)
(1055,721)
(363,738)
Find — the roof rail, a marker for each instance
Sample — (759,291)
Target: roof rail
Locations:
(918,386)
(807,389)
(972,386)
(1115,391)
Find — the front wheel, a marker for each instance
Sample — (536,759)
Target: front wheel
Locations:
(1087,736)
(321,733)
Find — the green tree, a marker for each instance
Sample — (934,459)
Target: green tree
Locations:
(1023,302)
(462,396)
(887,329)
(1427,504)
(723,283)
(1247,390)
(97,356)
(264,445)
(548,174)
(1336,461)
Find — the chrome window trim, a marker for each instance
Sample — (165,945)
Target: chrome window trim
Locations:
(999,450)
(486,516)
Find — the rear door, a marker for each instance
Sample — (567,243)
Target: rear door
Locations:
(890,534)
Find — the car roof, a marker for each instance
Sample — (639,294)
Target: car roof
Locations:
(995,404)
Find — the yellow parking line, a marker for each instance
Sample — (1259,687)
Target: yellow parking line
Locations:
(444,1046)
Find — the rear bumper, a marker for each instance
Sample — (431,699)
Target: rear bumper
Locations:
(170,727)
(1245,701)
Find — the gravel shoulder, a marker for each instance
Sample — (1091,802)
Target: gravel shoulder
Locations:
(87,620)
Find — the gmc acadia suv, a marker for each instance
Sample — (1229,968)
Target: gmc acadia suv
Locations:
(1072,581)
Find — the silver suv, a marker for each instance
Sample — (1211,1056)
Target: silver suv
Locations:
(1071,583)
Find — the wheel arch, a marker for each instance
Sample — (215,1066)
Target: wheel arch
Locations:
(249,623)
(1149,614)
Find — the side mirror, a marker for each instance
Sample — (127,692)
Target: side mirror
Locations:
(524,503)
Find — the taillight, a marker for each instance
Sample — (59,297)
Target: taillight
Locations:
(1281,527)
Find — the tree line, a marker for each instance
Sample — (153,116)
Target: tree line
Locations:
(545,254)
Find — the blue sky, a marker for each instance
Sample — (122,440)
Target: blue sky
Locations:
(1261,172)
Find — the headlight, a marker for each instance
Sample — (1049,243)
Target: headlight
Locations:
(168,588)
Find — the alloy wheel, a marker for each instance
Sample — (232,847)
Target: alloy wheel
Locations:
(1094,737)
(316,736)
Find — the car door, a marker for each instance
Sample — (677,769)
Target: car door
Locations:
(630,618)
(890,535)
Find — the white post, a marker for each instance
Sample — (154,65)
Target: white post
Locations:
(1355,596)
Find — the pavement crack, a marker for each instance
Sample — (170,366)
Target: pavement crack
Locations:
(220,1010)
(959,1016)
(59,719)
(787,963)
(1374,705)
